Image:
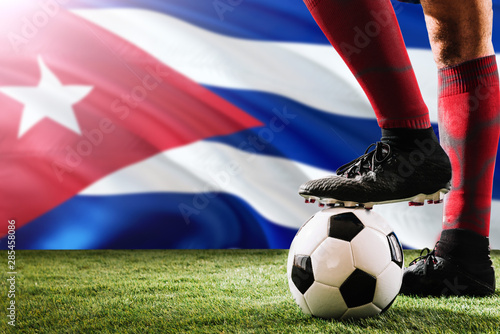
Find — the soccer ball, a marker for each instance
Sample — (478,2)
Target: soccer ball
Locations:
(345,263)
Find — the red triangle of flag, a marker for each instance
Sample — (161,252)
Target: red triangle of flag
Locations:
(137,107)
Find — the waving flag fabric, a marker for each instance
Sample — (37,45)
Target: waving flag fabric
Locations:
(181,124)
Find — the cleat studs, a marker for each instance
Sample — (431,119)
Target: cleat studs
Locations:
(321,205)
(430,201)
(312,200)
(329,201)
(438,201)
(417,200)
(307,201)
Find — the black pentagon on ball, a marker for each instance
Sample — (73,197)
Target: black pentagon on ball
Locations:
(358,289)
(302,272)
(344,226)
(396,249)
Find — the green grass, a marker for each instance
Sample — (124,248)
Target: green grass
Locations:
(200,291)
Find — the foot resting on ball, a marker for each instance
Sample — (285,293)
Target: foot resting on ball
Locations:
(400,168)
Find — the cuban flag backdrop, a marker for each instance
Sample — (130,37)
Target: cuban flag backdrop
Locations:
(182,123)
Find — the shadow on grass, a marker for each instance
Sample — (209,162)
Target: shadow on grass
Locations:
(437,315)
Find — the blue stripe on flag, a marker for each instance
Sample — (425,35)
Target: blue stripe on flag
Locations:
(152,220)
(255,19)
(277,21)
(295,131)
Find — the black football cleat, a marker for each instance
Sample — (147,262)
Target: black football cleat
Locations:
(467,272)
(414,171)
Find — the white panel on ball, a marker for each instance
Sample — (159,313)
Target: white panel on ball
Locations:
(388,285)
(312,233)
(291,254)
(332,262)
(325,301)
(299,298)
(371,251)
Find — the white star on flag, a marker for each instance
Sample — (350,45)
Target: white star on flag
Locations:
(49,99)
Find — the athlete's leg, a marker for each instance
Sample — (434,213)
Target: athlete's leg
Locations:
(367,36)
(459,30)
(460,35)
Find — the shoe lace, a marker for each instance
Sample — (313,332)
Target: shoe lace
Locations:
(429,257)
(367,162)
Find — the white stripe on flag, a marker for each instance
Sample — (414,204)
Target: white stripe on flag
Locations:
(314,75)
(268,184)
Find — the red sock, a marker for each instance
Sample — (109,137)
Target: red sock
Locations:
(469,126)
(366,34)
